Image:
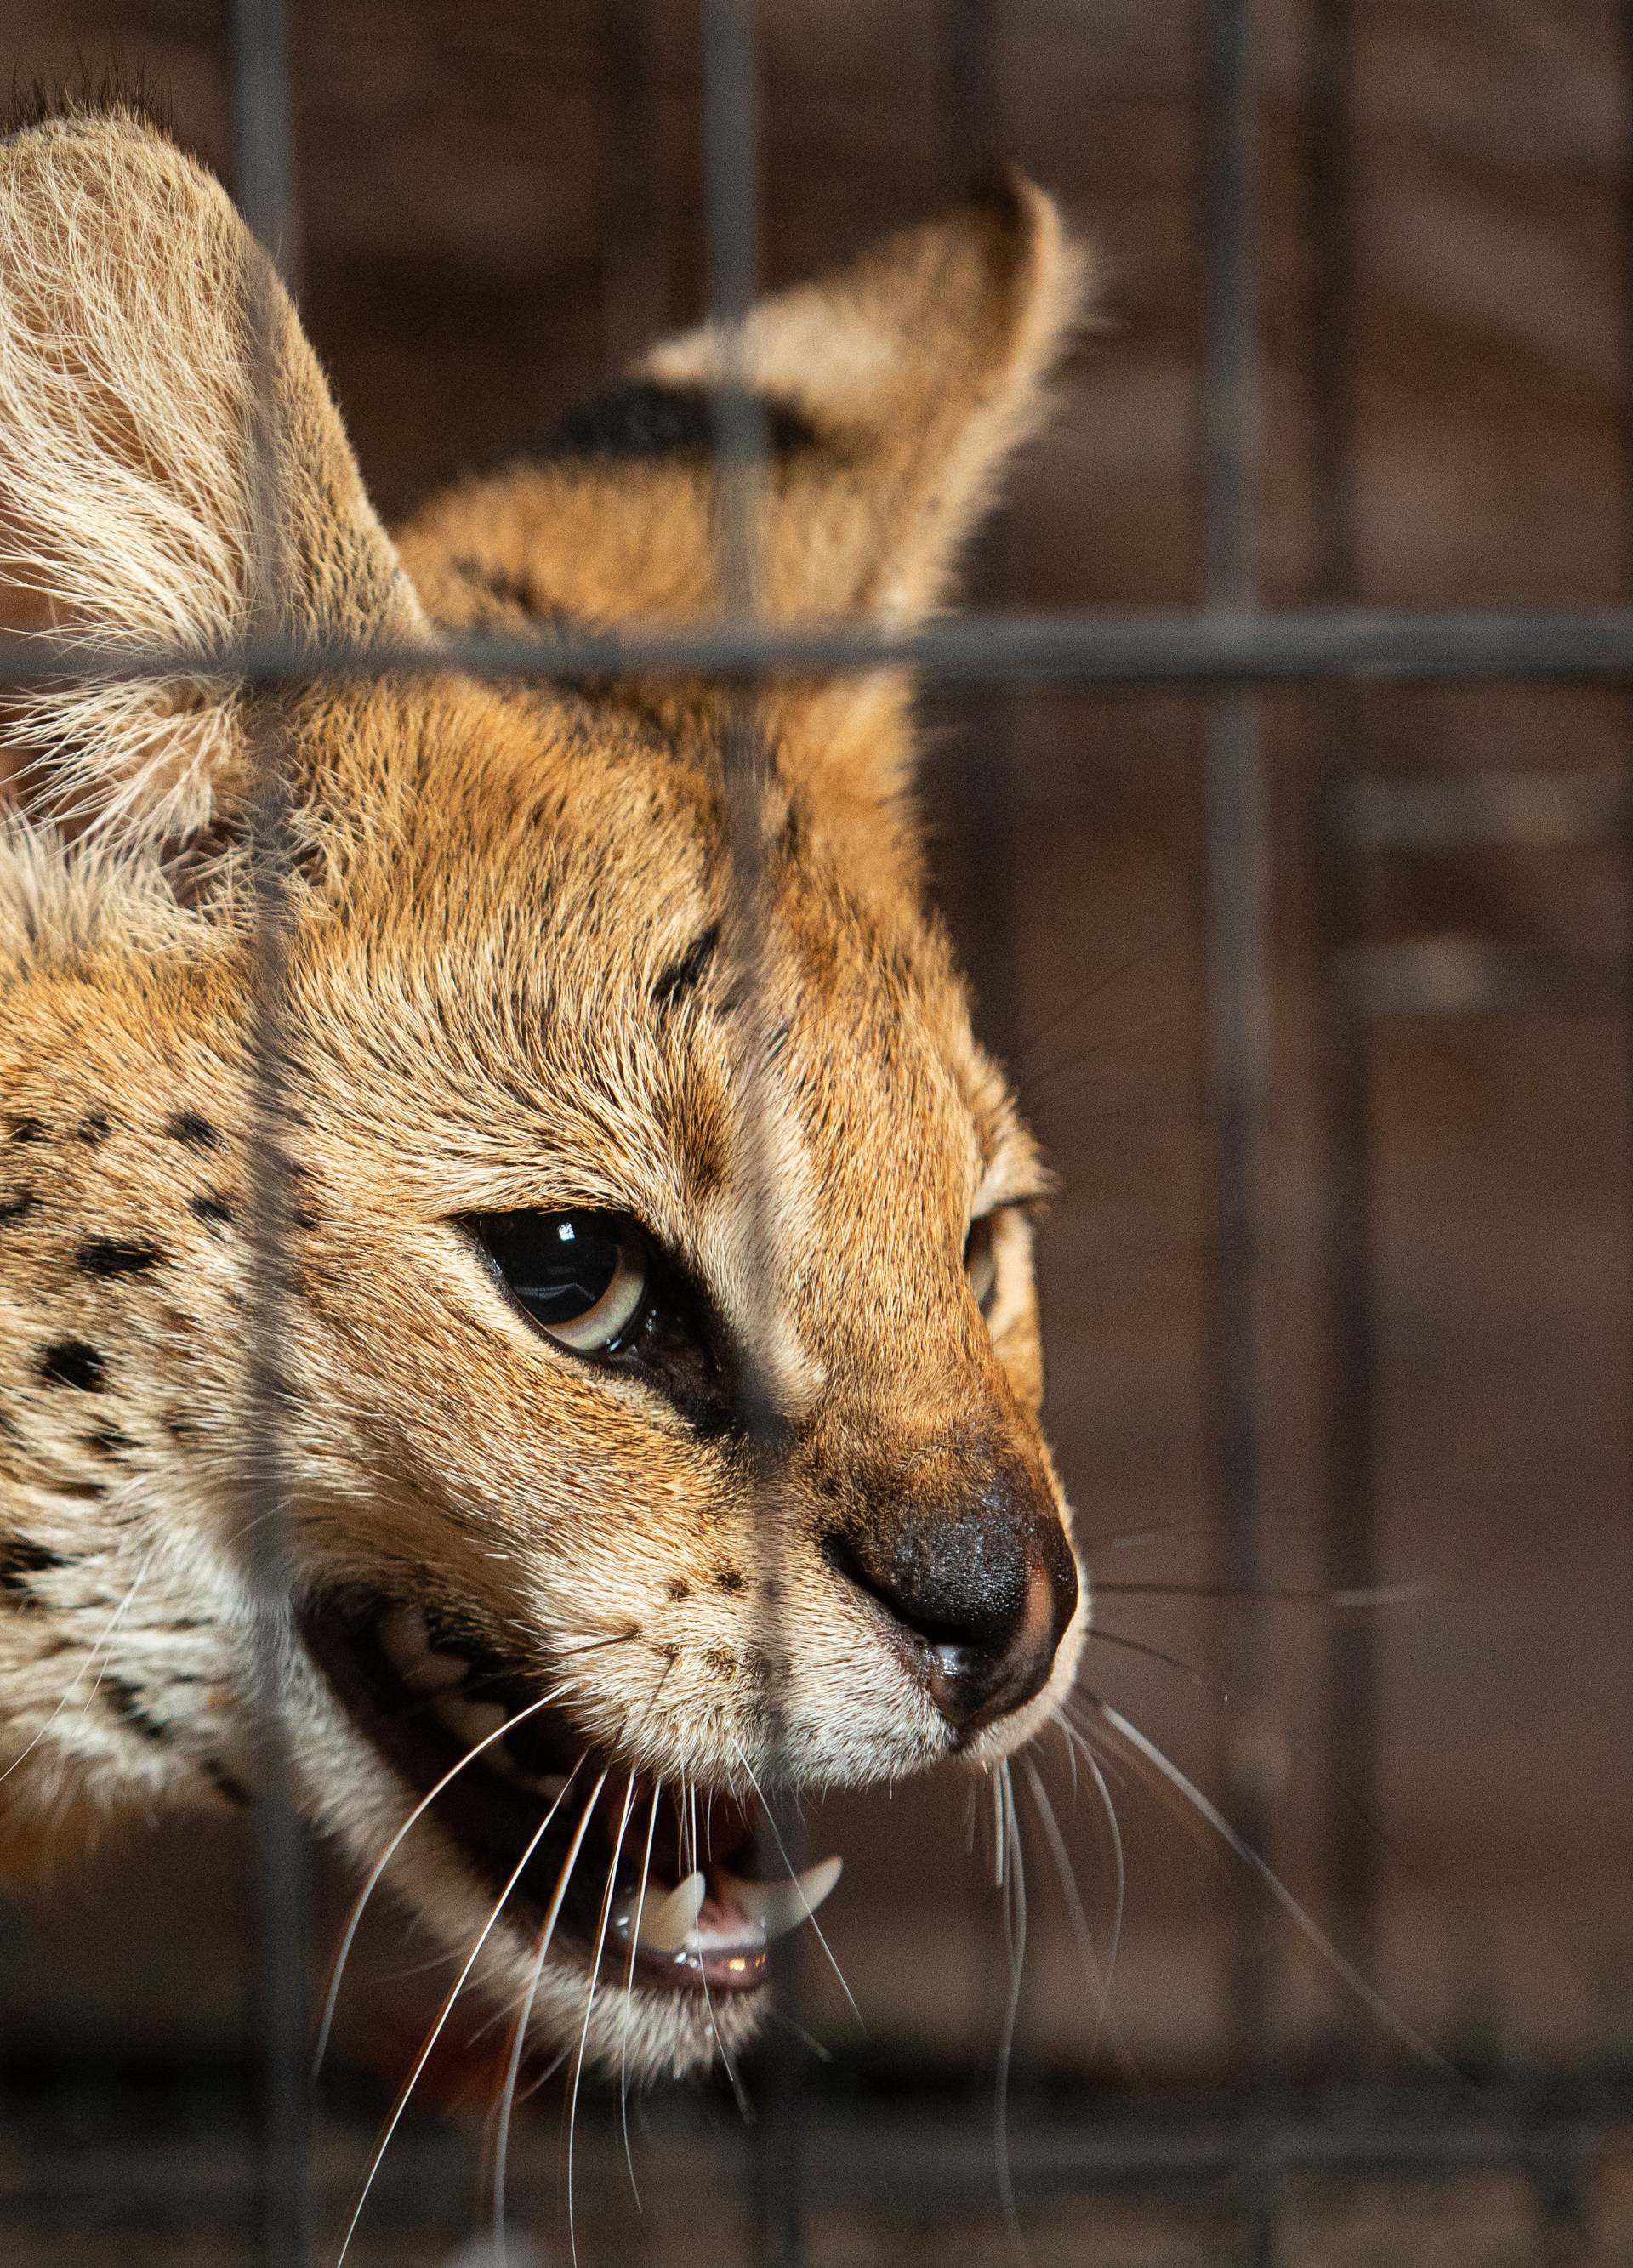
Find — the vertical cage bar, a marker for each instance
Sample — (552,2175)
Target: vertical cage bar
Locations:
(980,817)
(1350,1669)
(634,272)
(972,132)
(258,52)
(1235,910)
(732,192)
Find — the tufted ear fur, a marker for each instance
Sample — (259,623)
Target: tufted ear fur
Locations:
(127,349)
(893,390)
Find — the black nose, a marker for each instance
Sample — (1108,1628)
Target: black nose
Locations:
(979,1590)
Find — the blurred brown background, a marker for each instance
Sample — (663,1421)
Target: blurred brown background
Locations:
(501,202)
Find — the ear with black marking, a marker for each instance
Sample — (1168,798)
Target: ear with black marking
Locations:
(893,391)
(126,281)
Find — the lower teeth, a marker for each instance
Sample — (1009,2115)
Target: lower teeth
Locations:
(668,1924)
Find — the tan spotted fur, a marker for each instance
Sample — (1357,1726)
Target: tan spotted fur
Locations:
(491,885)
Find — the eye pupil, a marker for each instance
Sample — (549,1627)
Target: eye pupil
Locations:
(571,1266)
(580,1275)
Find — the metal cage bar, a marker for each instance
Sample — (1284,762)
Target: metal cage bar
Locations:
(1226,650)
(1236,886)
(258,45)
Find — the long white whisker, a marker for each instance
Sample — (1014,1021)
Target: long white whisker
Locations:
(689,1837)
(1077,1741)
(1015,1931)
(629,1979)
(1099,1975)
(354,1920)
(589,2010)
(1062,1728)
(782,1852)
(446,2010)
(524,2015)
(1304,1923)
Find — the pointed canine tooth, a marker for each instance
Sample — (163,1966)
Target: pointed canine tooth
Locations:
(779,1907)
(667,1922)
(472,1720)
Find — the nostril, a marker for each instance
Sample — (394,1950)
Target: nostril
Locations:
(954,1599)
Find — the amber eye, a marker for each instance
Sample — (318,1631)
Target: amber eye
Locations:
(981,1262)
(581,1275)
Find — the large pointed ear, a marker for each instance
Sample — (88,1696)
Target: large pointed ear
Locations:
(136,316)
(893,389)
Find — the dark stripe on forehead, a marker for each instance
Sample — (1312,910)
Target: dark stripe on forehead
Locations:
(642,422)
(684,975)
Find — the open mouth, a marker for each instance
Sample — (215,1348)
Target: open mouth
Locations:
(667,1893)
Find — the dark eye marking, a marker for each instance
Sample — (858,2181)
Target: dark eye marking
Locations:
(606,1292)
(72,1362)
(684,975)
(198,1133)
(105,1255)
(18,1208)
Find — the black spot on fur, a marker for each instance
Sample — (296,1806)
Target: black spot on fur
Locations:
(104,1255)
(127,1704)
(109,1441)
(94,1128)
(20,1558)
(682,975)
(678,1590)
(226,1783)
(211,1208)
(72,1362)
(728,1579)
(198,1133)
(643,422)
(18,1208)
(28,1130)
(180,1429)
